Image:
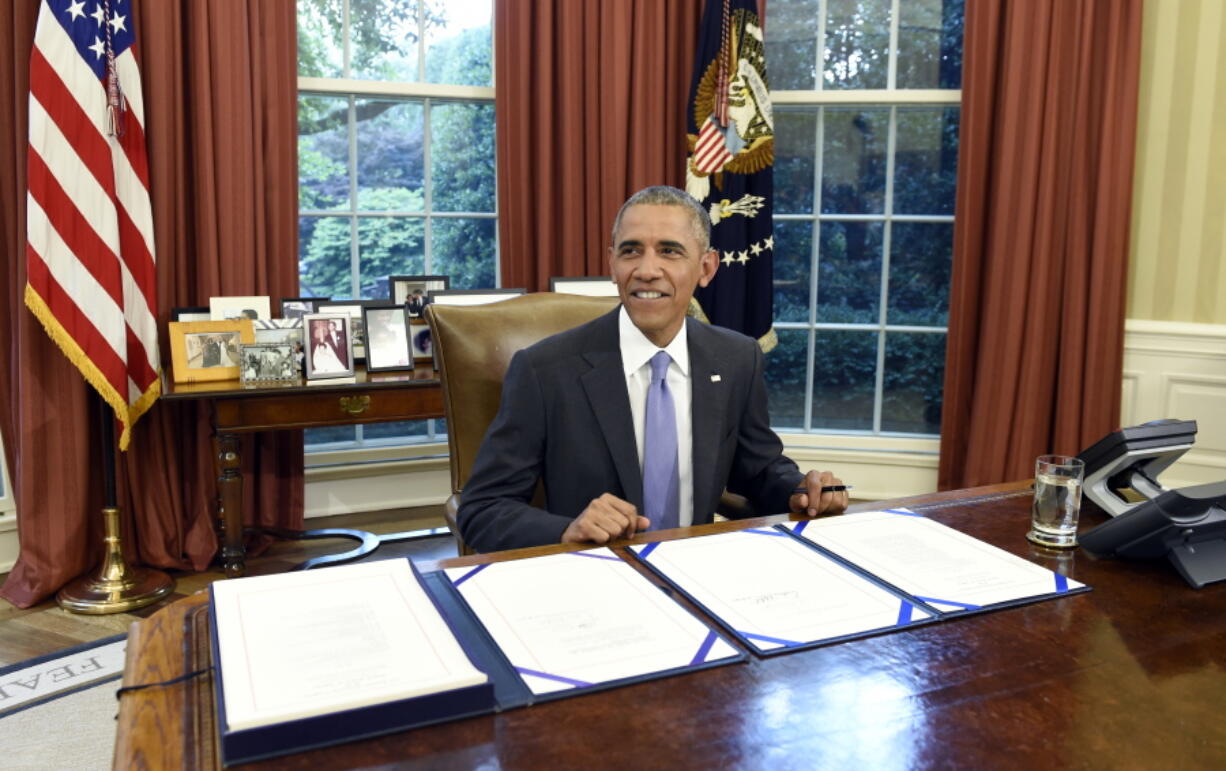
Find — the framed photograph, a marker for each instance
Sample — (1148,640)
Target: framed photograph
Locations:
(473,296)
(414,291)
(421,340)
(288,331)
(208,350)
(357,325)
(387,338)
(195,313)
(267,362)
(329,345)
(222,308)
(590,286)
(297,307)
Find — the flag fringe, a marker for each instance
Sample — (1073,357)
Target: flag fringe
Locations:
(766,342)
(125,413)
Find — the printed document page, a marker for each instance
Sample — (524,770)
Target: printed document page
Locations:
(300,644)
(941,566)
(775,591)
(582,618)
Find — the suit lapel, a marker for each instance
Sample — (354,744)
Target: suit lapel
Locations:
(605,386)
(709,389)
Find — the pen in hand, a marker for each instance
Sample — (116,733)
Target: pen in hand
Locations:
(825,489)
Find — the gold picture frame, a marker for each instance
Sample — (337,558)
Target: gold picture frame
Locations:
(201,351)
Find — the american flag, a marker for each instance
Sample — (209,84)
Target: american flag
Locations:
(91,269)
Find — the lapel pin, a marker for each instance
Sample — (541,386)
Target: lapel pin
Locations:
(715,378)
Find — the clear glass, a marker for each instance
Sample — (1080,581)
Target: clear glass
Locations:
(383,39)
(849,272)
(926,160)
(844,379)
(323,152)
(321,43)
(930,43)
(462,156)
(785,378)
(403,429)
(854,160)
(324,268)
(319,438)
(390,155)
(464,248)
(389,246)
(795,156)
(913,382)
(793,258)
(857,44)
(791,44)
(459,45)
(1057,501)
(921,256)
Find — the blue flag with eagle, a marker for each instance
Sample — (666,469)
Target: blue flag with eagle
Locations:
(731,151)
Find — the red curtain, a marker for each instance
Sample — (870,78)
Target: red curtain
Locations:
(1035,351)
(219,82)
(591,107)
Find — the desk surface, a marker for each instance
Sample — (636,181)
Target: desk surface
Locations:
(1131,675)
(423,375)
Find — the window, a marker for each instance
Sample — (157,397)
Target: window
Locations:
(866,137)
(395,157)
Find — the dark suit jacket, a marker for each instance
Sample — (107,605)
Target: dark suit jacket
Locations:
(565,420)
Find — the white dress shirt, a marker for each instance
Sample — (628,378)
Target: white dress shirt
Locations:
(637,351)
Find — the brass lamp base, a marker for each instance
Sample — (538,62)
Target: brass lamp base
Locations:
(117,586)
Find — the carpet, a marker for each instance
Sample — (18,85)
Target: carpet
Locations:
(58,711)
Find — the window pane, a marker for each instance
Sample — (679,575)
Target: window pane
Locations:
(857,44)
(853,160)
(914,377)
(930,44)
(849,272)
(458,43)
(328,435)
(785,378)
(383,39)
(795,153)
(403,429)
(791,45)
(926,160)
(323,257)
(320,52)
(323,152)
(391,161)
(464,249)
(389,246)
(793,257)
(462,156)
(844,377)
(921,254)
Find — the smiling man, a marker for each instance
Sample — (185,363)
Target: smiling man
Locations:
(640,419)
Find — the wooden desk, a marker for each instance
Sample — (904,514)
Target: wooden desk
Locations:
(236,408)
(1130,675)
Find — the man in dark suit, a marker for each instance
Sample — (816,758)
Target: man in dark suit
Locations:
(577,408)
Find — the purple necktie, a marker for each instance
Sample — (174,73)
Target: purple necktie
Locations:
(660,473)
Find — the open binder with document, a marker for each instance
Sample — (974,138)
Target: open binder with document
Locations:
(813,582)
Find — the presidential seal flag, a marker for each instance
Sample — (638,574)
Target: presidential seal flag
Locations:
(731,151)
(91,272)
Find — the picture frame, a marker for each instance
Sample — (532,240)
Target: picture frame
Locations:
(421,340)
(203,351)
(278,330)
(222,308)
(297,307)
(357,325)
(267,363)
(191,313)
(402,289)
(329,345)
(588,286)
(387,337)
(473,296)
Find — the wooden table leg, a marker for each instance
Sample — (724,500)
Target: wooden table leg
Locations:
(230,486)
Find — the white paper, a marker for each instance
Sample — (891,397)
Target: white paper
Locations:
(582,618)
(300,644)
(765,585)
(946,568)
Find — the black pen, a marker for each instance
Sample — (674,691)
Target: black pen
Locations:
(825,489)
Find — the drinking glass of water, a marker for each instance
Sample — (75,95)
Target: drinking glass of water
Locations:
(1057,501)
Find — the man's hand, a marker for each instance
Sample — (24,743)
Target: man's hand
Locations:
(813,501)
(605,519)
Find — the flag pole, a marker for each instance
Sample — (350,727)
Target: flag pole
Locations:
(115,586)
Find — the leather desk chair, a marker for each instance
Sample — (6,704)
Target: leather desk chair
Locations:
(473,345)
